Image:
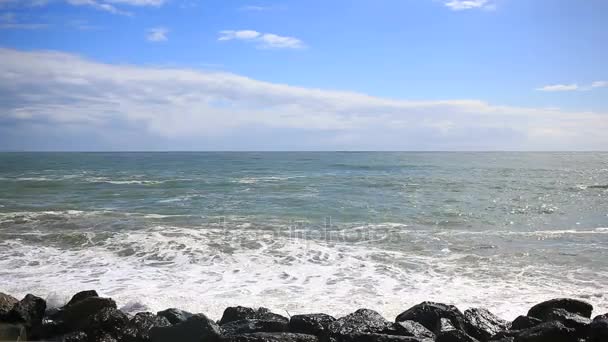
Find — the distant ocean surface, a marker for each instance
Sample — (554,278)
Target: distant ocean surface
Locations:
(308,231)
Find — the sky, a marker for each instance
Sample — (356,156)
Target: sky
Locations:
(112,75)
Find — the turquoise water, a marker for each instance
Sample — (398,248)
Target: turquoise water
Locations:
(306,231)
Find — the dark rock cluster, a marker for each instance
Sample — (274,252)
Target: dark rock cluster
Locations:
(87,317)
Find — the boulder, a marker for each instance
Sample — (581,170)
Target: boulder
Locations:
(413,329)
(76,336)
(313,324)
(362,321)
(174,315)
(575,306)
(29,311)
(598,329)
(570,320)
(6,305)
(82,295)
(106,323)
(76,315)
(237,313)
(547,332)
(482,324)
(246,326)
(524,322)
(454,335)
(270,337)
(196,328)
(380,338)
(138,328)
(430,313)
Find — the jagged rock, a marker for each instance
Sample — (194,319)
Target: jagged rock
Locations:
(138,328)
(362,321)
(504,339)
(430,313)
(76,336)
(313,324)
(30,311)
(82,295)
(454,335)
(547,332)
(381,338)
(237,313)
(270,337)
(570,320)
(196,328)
(571,305)
(505,335)
(598,329)
(78,314)
(482,324)
(413,329)
(525,322)
(444,325)
(174,315)
(7,303)
(247,326)
(107,322)
(12,332)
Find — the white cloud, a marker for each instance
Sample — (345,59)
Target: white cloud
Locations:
(157,34)
(155,3)
(559,87)
(599,84)
(9,21)
(460,5)
(58,90)
(262,40)
(255,8)
(110,5)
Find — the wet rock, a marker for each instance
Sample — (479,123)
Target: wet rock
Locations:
(525,322)
(430,313)
(76,336)
(313,324)
(598,329)
(12,332)
(138,328)
(413,329)
(108,322)
(196,328)
(570,320)
(30,311)
(547,332)
(504,339)
(444,325)
(247,326)
(82,295)
(6,305)
(571,305)
(362,321)
(482,324)
(76,315)
(454,335)
(382,338)
(237,313)
(174,315)
(270,337)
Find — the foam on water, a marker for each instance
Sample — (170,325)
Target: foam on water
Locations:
(206,270)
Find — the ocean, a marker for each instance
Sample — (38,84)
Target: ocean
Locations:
(303,232)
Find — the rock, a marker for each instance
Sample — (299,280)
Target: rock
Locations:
(313,324)
(82,295)
(413,329)
(12,332)
(107,322)
(78,314)
(444,325)
(547,332)
(430,313)
(525,322)
(598,329)
(237,313)
(570,320)
(270,337)
(482,324)
(381,338)
(504,339)
(454,335)
(362,321)
(571,305)
(175,316)
(138,328)
(196,328)
(76,336)
(6,305)
(29,311)
(247,326)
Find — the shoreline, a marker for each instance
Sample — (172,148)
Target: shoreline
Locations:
(89,317)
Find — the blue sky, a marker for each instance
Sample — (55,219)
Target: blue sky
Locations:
(303,75)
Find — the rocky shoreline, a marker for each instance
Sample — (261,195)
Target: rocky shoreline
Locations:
(87,317)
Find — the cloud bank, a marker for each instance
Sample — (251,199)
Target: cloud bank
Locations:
(50,99)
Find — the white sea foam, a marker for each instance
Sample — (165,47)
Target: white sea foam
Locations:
(206,270)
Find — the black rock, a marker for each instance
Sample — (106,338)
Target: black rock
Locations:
(362,321)
(237,313)
(547,332)
(598,329)
(270,337)
(570,320)
(571,305)
(482,324)
(444,325)
(454,335)
(196,328)
(430,313)
(107,322)
(138,328)
(76,336)
(7,303)
(174,315)
(525,322)
(76,315)
(413,329)
(313,324)
(30,311)
(381,338)
(247,326)
(504,339)
(82,295)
